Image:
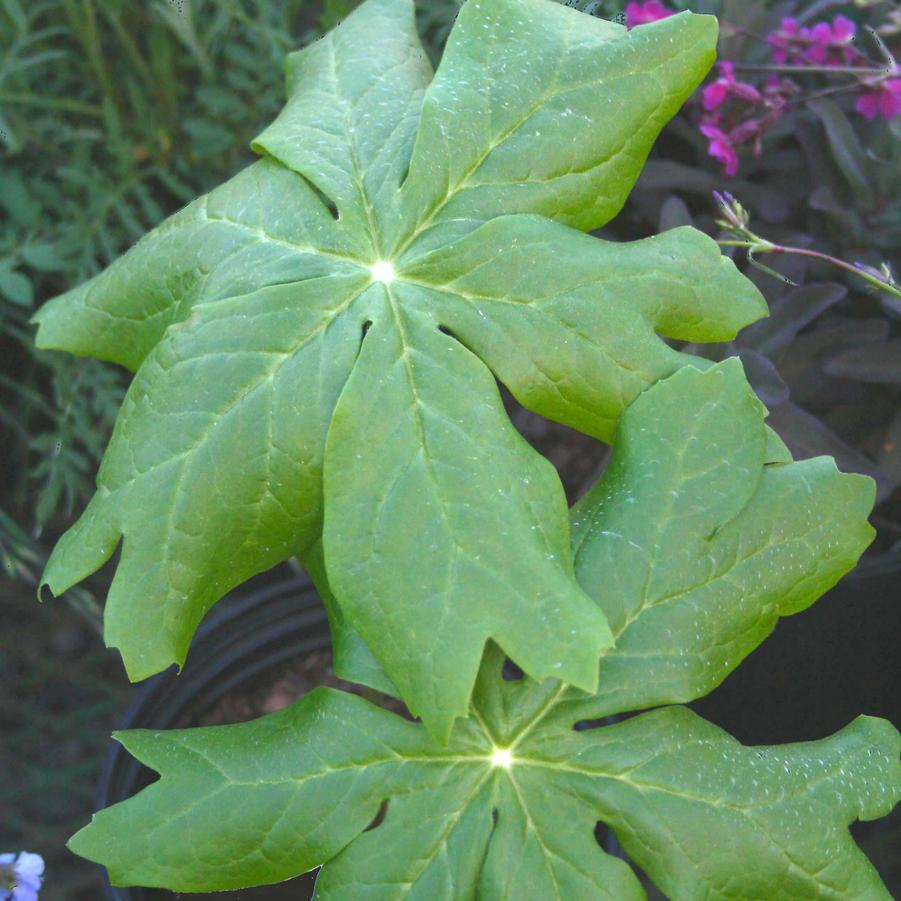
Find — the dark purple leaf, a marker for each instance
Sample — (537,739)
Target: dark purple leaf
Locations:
(673,213)
(847,151)
(764,377)
(791,313)
(667,175)
(890,451)
(874,363)
(802,367)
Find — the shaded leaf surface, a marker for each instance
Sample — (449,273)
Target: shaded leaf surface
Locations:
(706,562)
(288,389)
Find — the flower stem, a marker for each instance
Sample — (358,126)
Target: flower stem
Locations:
(881,72)
(815,9)
(761,246)
(736,221)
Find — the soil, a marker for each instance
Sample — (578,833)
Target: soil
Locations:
(279,687)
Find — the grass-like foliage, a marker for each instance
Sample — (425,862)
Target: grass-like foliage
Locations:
(113,115)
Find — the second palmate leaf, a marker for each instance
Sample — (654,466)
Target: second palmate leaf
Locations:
(693,543)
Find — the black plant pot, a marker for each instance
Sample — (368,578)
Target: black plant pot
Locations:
(247,635)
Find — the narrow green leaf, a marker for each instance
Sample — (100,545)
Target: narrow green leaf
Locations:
(333,11)
(44,257)
(13,8)
(16,287)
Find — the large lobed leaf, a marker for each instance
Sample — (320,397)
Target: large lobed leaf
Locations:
(508,808)
(287,391)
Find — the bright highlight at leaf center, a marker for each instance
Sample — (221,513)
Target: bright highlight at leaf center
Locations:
(502,757)
(382,271)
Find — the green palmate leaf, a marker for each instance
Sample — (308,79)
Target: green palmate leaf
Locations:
(704,816)
(315,343)
(508,808)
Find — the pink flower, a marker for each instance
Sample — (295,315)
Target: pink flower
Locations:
(820,38)
(744,131)
(882,99)
(781,39)
(715,94)
(721,148)
(843,30)
(728,127)
(823,44)
(648,11)
(746,91)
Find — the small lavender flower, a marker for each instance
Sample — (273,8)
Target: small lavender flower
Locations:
(20,876)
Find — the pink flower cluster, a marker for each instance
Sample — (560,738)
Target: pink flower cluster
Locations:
(737,112)
(643,13)
(726,127)
(823,44)
(714,95)
(880,99)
